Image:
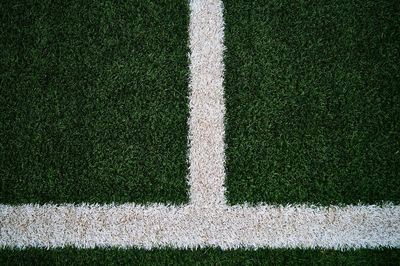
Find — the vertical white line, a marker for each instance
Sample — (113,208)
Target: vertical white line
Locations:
(207,109)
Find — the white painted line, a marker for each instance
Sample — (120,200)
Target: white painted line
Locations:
(189,226)
(207,108)
(207,220)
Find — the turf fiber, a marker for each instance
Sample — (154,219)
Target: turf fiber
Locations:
(72,256)
(93,104)
(313,101)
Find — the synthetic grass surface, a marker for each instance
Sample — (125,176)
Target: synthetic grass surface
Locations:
(72,256)
(93,108)
(93,102)
(313,101)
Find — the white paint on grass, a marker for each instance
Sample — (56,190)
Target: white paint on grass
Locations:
(207,108)
(207,220)
(191,226)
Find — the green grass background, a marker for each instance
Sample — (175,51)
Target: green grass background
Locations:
(93,108)
(93,104)
(209,256)
(313,101)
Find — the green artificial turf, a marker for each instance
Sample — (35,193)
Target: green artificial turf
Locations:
(313,101)
(72,256)
(93,102)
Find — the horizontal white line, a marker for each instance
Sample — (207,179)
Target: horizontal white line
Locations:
(191,226)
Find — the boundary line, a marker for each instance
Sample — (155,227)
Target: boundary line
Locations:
(156,226)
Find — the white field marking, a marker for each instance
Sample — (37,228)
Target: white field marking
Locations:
(207,107)
(129,225)
(207,220)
